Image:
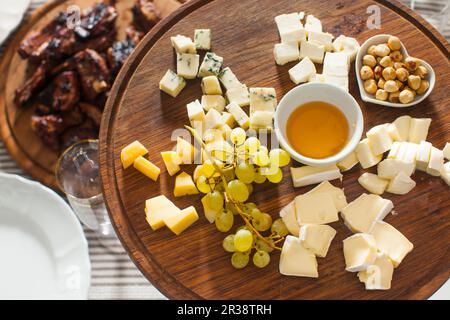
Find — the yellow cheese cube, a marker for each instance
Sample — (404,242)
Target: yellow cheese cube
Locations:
(185,151)
(229,119)
(180,222)
(147,168)
(131,152)
(211,86)
(184,185)
(172,161)
(157,209)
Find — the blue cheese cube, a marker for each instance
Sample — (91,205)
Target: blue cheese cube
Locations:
(286,52)
(183,44)
(302,71)
(172,83)
(211,65)
(213,102)
(195,111)
(313,24)
(213,120)
(211,85)
(263,99)
(239,94)
(239,115)
(202,39)
(228,78)
(187,65)
(323,38)
(312,50)
(261,120)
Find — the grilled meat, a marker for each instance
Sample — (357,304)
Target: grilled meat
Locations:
(145,15)
(97,21)
(92,112)
(120,50)
(48,128)
(32,85)
(62,94)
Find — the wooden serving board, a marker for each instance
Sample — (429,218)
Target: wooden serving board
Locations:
(194,265)
(25,147)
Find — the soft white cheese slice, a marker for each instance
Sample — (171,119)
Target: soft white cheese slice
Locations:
(418,130)
(389,168)
(312,50)
(360,252)
(296,260)
(436,162)
(348,162)
(378,276)
(446,151)
(335,64)
(379,139)
(372,183)
(423,155)
(288,21)
(306,175)
(286,52)
(360,214)
(401,184)
(337,194)
(195,111)
(408,152)
(365,155)
(394,150)
(323,38)
(393,132)
(313,24)
(391,242)
(347,45)
(445,173)
(289,216)
(239,95)
(315,208)
(317,238)
(302,71)
(403,124)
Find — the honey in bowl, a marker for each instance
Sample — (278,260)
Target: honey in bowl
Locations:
(317,130)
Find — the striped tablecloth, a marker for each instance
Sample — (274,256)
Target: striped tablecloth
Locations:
(114,276)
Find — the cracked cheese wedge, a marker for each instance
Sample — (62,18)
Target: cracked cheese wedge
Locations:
(172,161)
(360,214)
(378,276)
(184,185)
(391,242)
(289,217)
(389,168)
(365,155)
(131,152)
(157,209)
(306,175)
(418,129)
(146,168)
(436,162)
(296,260)
(348,162)
(317,238)
(360,251)
(315,208)
(323,38)
(445,173)
(394,150)
(401,184)
(393,132)
(210,214)
(337,194)
(347,45)
(379,139)
(313,24)
(179,222)
(403,124)
(423,155)
(372,183)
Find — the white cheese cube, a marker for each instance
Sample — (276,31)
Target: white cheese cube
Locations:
(436,162)
(335,64)
(446,151)
(239,94)
(312,50)
(403,124)
(360,252)
(286,52)
(337,194)
(195,111)
(372,183)
(394,150)
(445,173)
(317,238)
(379,139)
(341,82)
(289,217)
(315,208)
(360,214)
(171,83)
(228,119)
(239,115)
(313,24)
(401,184)
(213,102)
(295,35)
(365,155)
(347,45)
(408,152)
(393,132)
(202,39)
(323,38)
(302,71)
(306,175)
(226,131)
(348,162)
(187,65)
(423,155)
(211,86)
(290,27)
(211,65)
(296,260)
(318,78)
(213,119)
(183,44)
(389,168)
(378,276)
(228,78)
(263,99)
(391,242)
(418,130)
(261,120)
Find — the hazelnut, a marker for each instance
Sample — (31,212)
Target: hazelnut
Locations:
(421,71)
(400,84)
(389,73)
(366,73)
(412,63)
(378,72)
(370,86)
(406,96)
(424,85)
(394,43)
(412,91)
(394,97)
(369,60)
(402,74)
(371,50)
(381,83)
(381,95)
(386,62)
(414,82)
(398,65)
(391,86)
(382,50)
(396,56)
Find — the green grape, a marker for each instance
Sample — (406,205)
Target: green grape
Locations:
(244,227)
(238,190)
(261,158)
(228,173)
(259,178)
(245,172)
(270,170)
(214,200)
(249,206)
(224,220)
(256,213)
(277,177)
(208,168)
(228,243)
(279,228)
(261,259)
(239,260)
(203,184)
(262,223)
(252,145)
(263,245)
(263,149)
(238,136)
(229,206)
(279,157)
(243,240)
(250,188)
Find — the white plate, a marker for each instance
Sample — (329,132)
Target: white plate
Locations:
(11,13)
(43,251)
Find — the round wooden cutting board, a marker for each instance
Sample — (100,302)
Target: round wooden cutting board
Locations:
(194,265)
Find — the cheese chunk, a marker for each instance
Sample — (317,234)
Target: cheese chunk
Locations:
(389,168)
(393,132)
(187,65)
(185,151)
(228,78)
(391,242)
(313,24)
(263,99)
(290,27)
(372,183)
(346,45)
(294,36)
(378,276)
(210,214)
(131,152)
(261,120)
(239,115)
(302,71)
(239,94)
(403,124)
(226,131)
(195,111)
(361,213)
(446,151)
(322,38)
(317,238)
(408,152)
(315,208)
(445,173)
(184,185)
(336,64)
(348,162)
(360,252)
(202,39)
(211,65)
(418,130)
(296,260)
(172,161)
(159,208)
(180,222)
(286,52)
(401,184)
(365,155)
(394,150)
(147,168)
(289,217)
(183,44)
(171,83)
(337,194)
(213,102)
(341,82)
(306,175)
(423,155)
(211,86)
(312,50)
(379,139)
(436,162)
(228,119)
(213,119)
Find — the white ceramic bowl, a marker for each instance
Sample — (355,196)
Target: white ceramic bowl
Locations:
(367,97)
(319,92)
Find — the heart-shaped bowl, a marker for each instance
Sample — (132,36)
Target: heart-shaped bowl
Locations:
(367,97)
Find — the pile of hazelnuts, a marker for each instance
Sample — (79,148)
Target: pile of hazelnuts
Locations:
(390,76)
